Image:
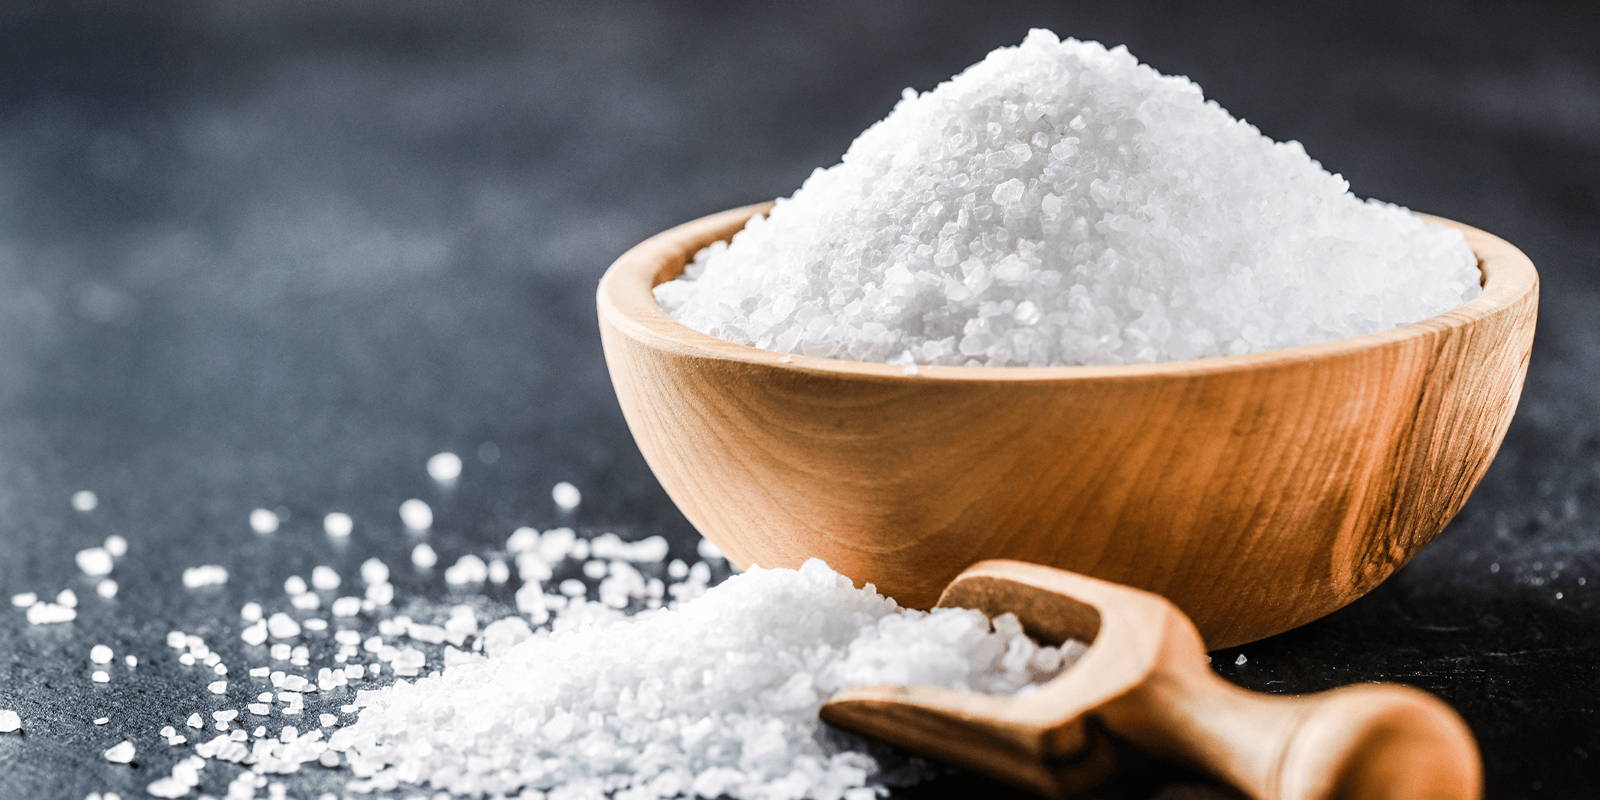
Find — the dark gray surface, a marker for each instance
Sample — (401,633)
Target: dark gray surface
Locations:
(256,257)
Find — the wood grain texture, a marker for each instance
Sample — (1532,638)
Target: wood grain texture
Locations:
(1257,492)
(1145,678)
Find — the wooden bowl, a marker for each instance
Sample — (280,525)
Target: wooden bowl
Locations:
(1256,492)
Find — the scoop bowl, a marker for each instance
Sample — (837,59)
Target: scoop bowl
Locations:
(1256,492)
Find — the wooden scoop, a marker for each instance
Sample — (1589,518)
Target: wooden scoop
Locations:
(1145,680)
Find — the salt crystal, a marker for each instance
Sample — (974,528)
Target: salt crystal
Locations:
(416,515)
(10,721)
(101,720)
(282,626)
(444,467)
(294,584)
(120,753)
(100,676)
(423,556)
(205,575)
(1137,220)
(100,654)
(374,571)
(217,687)
(116,546)
(84,500)
(338,524)
(106,588)
(566,495)
(67,598)
(50,613)
(1240,661)
(24,599)
(263,521)
(94,561)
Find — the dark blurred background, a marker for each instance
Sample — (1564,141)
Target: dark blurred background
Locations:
(277,254)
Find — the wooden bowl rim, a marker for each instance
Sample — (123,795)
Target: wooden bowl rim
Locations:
(626,301)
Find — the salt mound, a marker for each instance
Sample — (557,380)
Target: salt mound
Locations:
(1061,203)
(714,696)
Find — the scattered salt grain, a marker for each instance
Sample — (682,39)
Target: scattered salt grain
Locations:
(101,720)
(1060,203)
(106,588)
(10,721)
(282,626)
(116,546)
(374,571)
(324,578)
(566,495)
(423,556)
(100,676)
(205,575)
(338,524)
(263,521)
(444,467)
(94,561)
(120,753)
(100,654)
(24,599)
(1240,661)
(416,515)
(84,500)
(67,598)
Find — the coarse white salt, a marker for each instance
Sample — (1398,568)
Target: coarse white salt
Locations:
(84,500)
(101,654)
(338,524)
(94,561)
(10,721)
(263,520)
(100,676)
(294,584)
(423,556)
(24,599)
(324,578)
(101,720)
(1240,661)
(566,495)
(106,588)
(282,626)
(116,546)
(205,575)
(1060,203)
(67,598)
(416,515)
(444,467)
(373,570)
(716,696)
(120,753)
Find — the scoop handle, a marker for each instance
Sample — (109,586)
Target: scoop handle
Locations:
(1360,742)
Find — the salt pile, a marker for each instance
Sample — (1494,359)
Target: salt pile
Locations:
(563,665)
(1060,203)
(716,696)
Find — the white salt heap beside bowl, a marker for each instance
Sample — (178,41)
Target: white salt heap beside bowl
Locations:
(713,697)
(1059,203)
